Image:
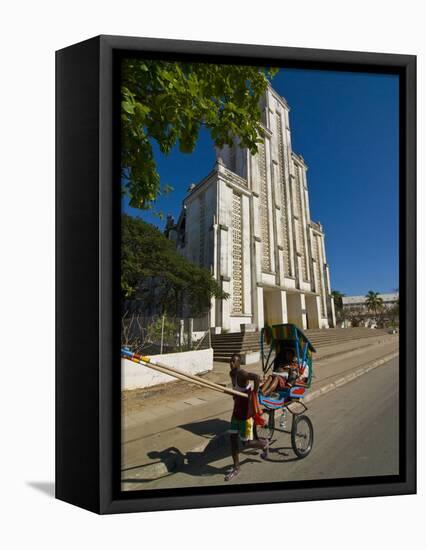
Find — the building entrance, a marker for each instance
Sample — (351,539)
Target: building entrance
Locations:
(312,317)
(274,306)
(295,309)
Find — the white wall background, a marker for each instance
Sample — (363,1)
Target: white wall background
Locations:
(30,32)
(187,362)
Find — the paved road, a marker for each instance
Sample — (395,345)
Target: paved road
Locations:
(356,434)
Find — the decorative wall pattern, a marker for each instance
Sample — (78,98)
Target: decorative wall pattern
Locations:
(321,273)
(300,234)
(237,255)
(284,199)
(264,210)
(316,243)
(233,178)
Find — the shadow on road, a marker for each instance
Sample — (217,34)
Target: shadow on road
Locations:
(201,463)
(281,454)
(171,454)
(206,428)
(193,463)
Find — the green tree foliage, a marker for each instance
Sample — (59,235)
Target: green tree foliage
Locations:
(168,102)
(394,314)
(338,302)
(153,273)
(356,316)
(373,302)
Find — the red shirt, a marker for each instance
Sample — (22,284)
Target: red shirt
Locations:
(242,409)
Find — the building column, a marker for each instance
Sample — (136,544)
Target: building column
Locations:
(224,311)
(283,306)
(330,299)
(303,309)
(332,316)
(259,317)
(226,304)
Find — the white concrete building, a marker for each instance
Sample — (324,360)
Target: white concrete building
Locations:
(249,223)
(355,303)
(355,307)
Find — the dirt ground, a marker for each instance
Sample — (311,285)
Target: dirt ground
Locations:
(136,400)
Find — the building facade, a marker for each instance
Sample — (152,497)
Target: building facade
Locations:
(248,222)
(355,307)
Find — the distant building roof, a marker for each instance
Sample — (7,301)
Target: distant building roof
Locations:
(351,300)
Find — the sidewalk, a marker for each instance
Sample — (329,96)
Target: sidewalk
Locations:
(165,424)
(167,395)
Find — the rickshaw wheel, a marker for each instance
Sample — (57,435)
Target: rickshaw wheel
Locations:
(266,431)
(302,436)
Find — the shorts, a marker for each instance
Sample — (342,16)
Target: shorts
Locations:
(244,428)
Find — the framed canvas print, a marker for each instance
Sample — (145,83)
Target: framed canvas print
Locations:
(235,274)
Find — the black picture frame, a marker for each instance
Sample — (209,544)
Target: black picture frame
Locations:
(87,248)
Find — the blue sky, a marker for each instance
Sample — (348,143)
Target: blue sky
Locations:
(345,125)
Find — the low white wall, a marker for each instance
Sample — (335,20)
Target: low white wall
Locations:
(250,357)
(190,362)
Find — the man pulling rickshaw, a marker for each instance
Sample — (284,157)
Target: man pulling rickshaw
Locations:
(243,415)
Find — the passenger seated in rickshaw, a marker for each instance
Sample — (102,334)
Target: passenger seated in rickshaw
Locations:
(286,375)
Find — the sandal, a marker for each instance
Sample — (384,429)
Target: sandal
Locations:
(233,473)
(265,452)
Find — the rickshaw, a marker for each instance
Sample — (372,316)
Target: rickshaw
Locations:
(274,341)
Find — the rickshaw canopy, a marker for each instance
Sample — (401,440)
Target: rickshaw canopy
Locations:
(284,336)
(287,332)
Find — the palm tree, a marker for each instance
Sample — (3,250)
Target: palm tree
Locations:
(374,302)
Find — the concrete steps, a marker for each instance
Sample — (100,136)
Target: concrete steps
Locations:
(328,337)
(224,345)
